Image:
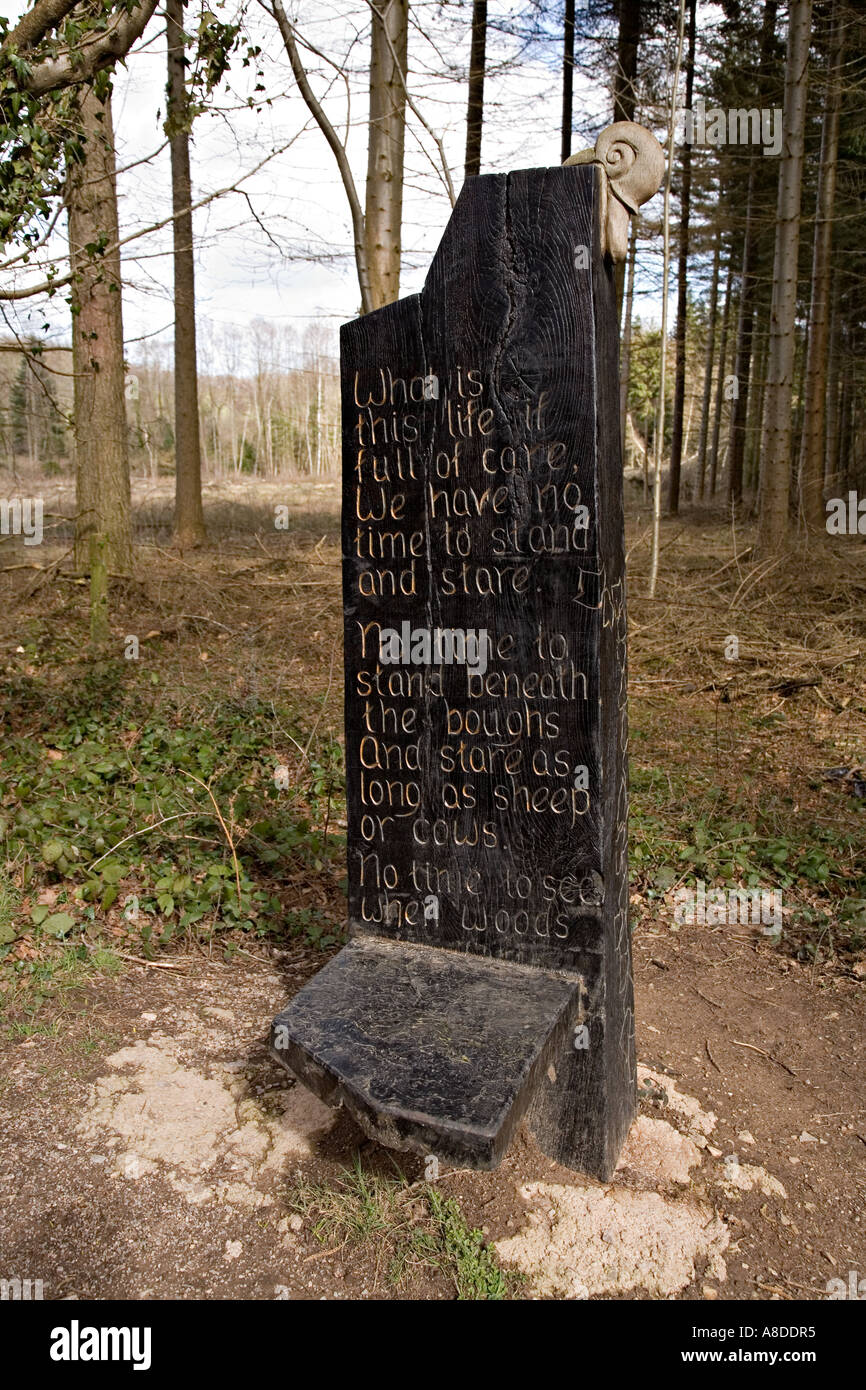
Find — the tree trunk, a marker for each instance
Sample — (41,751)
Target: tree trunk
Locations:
(689,418)
(682,289)
(720,380)
(831,442)
(655,545)
(189,525)
(625,90)
(625,353)
(776,435)
(757,391)
(101,442)
(797,395)
(708,369)
(475,108)
(567,80)
(743,358)
(384,206)
(846,428)
(815,392)
(625,77)
(749,286)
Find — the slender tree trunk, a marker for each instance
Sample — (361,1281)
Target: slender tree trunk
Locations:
(743,358)
(749,284)
(384,162)
(475,110)
(797,395)
(682,288)
(757,389)
(384,206)
(720,380)
(625,77)
(646,461)
(625,90)
(32,428)
(625,351)
(689,417)
(567,80)
(666,255)
(101,440)
(318,416)
(189,525)
(815,392)
(831,442)
(708,369)
(776,435)
(846,421)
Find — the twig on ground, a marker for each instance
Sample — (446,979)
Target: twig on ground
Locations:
(226,832)
(768,1055)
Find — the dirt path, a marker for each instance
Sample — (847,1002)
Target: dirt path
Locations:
(149,1147)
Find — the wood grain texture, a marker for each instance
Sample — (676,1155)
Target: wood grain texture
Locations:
(428,1050)
(482,495)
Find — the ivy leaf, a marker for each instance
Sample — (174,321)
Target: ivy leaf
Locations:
(58,924)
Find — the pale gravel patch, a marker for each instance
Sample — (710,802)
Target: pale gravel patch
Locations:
(210,1139)
(687,1109)
(584,1242)
(745,1177)
(657,1151)
(587,1241)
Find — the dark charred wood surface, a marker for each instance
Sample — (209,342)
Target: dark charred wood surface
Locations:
(487,804)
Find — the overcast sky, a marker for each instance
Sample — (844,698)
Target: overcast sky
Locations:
(281,249)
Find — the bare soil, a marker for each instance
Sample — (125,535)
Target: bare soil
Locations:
(149,1146)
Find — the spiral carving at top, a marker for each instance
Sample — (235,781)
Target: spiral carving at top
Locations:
(633,160)
(634,163)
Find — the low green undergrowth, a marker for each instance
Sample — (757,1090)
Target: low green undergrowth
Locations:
(412,1228)
(119,812)
(680,832)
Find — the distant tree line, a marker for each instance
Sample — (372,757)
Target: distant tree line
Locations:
(763,408)
(276,412)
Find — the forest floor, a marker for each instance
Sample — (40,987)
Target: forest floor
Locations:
(174,826)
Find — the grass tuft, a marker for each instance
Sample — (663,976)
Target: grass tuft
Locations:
(415,1228)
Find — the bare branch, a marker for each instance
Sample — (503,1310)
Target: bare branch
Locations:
(46,286)
(95,51)
(277,12)
(36,23)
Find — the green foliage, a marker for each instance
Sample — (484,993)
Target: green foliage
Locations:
(645,374)
(679,833)
(112,809)
(9,904)
(474,1268)
(213,45)
(415,1224)
(32,988)
(723,847)
(40,136)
